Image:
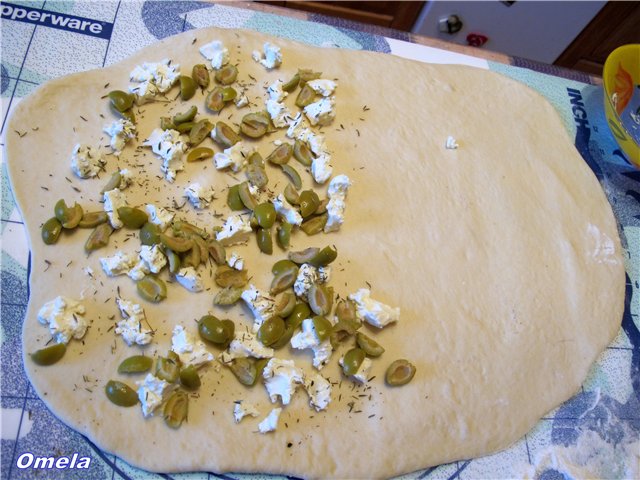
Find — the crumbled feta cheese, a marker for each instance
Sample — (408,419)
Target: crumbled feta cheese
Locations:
(308,338)
(236,230)
(190,350)
(126,178)
(451,143)
(236,261)
(168,145)
(190,279)
(296,125)
(282,377)
(65,319)
(319,391)
(162,75)
(289,214)
(322,86)
(145,92)
(131,327)
(307,276)
(324,274)
(216,52)
(272,57)
(233,157)
(261,305)
(241,100)
(139,271)
(373,312)
(118,264)
(152,392)
(121,131)
(320,168)
(246,345)
(86,161)
(362,375)
(199,196)
(113,200)
(279,113)
(242,409)
(154,257)
(270,423)
(337,193)
(159,216)
(320,112)
(275,91)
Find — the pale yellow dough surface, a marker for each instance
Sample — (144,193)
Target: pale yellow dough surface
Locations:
(503,256)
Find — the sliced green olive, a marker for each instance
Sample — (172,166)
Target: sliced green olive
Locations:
(214,330)
(176,244)
(302,153)
(352,360)
(265,214)
(369,345)
(174,261)
(132,217)
(306,75)
(234,202)
(186,229)
(271,330)
(49,355)
(184,127)
(167,369)
(69,216)
(303,256)
(322,207)
(217,251)
(260,364)
(121,101)
(225,135)
(306,96)
(215,100)
(166,123)
(300,312)
(322,326)
(51,230)
(227,296)
(293,176)
(185,117)
(128,115)
(135,364)
(399,373)
(199,131)
(320,299)
(93,219)
(176,409)
(285,304)
(152,289)
(98,238)
(284,235)
(309,202)
(281,154)
(226,75)
(198,154)
(114,182)
(200,75)
(229,94)
(314,225)
(291,195)
(150,234)
(245,370)
(192,258)
(340,332)
(246,196)
(283,280)
(226,276)
(201,246)
(284,338)
(346,312)
(292,84)
(257,175)
(324,257)
(282,266)
(189,378)
(265,241)
(188,87)
(121,394)
(255,125)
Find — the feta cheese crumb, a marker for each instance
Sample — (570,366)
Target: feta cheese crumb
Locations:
(337,192)
(451,143)
(118,264)
(159,216)
(168,145)
(236,261)
(121,131)
(65,319)
(362,375)
(373,312)
(86,161)
(162,74)
(113,200)
(307,276)
(308,338)
(216,52)
(236,230)
(131,326)
(126,178)
(323,86)
(282,377)
(190,279)
(319,391)
(321,112)
(270,423)
(233,157)
(190,350)
(320,168)
(153,257)
(152,392)
(241,100)
(242,409)
(139,271)
(199,196)
(275,92)
(279,113)
(272,57)
(246,345)
(261,305)
(289,214)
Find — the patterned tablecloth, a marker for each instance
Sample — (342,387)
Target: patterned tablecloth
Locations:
(595,434)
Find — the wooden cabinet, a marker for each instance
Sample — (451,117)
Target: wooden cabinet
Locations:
(398,15)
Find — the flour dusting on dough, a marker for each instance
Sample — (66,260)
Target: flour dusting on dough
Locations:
(603,250)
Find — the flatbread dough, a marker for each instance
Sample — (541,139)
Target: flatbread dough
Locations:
(503,256)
